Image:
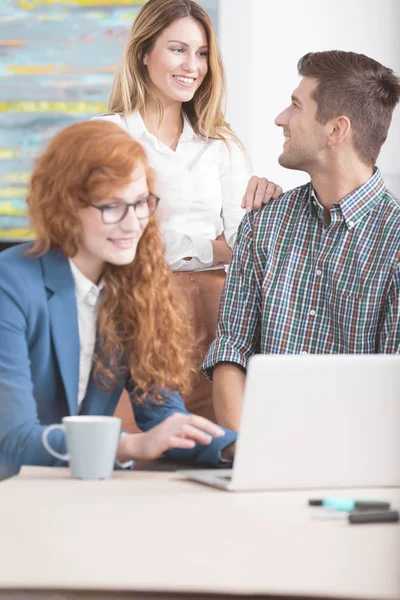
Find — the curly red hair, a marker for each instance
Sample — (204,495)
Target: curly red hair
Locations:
(142,324)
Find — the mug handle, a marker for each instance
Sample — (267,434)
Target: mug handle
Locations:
(47,445)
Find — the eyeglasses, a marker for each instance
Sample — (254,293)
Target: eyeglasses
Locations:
(117,211)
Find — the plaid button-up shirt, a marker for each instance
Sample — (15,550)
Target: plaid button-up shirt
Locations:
(299,285)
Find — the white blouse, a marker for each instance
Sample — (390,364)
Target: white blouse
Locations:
(201,185)
(87,303)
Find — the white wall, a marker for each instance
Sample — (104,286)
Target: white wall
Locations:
(262,41)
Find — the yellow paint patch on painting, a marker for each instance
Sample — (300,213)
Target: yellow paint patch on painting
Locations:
(17,177)
(17,234)
(31,70)
(9,153)
(14,43)
(50,107)
(96,15)
(8,210)
(32,4)
(52,70)
(11,192)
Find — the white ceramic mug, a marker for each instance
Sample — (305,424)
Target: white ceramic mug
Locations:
(92,444)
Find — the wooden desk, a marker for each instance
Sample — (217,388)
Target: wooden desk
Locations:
(155,532)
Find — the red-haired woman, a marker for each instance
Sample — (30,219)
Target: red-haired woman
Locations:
(87,309)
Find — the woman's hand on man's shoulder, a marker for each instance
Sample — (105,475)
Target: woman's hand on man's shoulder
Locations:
(259,191)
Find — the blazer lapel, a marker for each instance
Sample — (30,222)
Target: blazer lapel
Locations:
(63,321)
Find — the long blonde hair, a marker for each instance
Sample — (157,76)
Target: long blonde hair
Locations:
(132,85)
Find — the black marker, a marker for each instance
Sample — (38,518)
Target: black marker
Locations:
(365,516)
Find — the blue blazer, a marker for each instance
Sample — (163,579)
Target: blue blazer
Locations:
(39,365)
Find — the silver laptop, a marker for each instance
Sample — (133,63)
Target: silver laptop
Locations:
(316,421)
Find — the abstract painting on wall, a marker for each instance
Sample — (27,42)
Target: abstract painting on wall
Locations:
(57,64)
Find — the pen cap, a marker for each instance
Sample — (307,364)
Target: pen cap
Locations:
(315,502)
(371,505)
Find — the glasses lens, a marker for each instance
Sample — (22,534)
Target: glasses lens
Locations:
(145,209)
(152,201)
(113,213)
(142,209)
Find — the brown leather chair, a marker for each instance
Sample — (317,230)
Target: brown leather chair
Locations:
(201,292)
(124,411)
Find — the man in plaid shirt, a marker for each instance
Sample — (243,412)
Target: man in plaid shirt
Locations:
(317,270)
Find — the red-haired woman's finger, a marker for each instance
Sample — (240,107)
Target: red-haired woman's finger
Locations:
(195,434)
(206,425)
(180,442)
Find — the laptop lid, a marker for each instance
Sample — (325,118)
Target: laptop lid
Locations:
(319,421)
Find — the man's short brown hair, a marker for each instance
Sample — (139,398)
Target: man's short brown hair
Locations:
(357,87)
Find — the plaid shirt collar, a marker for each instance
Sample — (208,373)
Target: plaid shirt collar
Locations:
(355,205)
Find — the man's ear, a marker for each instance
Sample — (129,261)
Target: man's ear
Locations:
(339,131)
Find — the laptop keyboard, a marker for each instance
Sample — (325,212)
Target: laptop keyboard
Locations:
(227,477)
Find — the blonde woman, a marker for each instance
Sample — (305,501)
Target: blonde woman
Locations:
(168,94)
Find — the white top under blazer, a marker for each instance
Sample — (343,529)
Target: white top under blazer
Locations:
(201,185)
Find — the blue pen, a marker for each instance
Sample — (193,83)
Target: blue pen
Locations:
(349,505)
